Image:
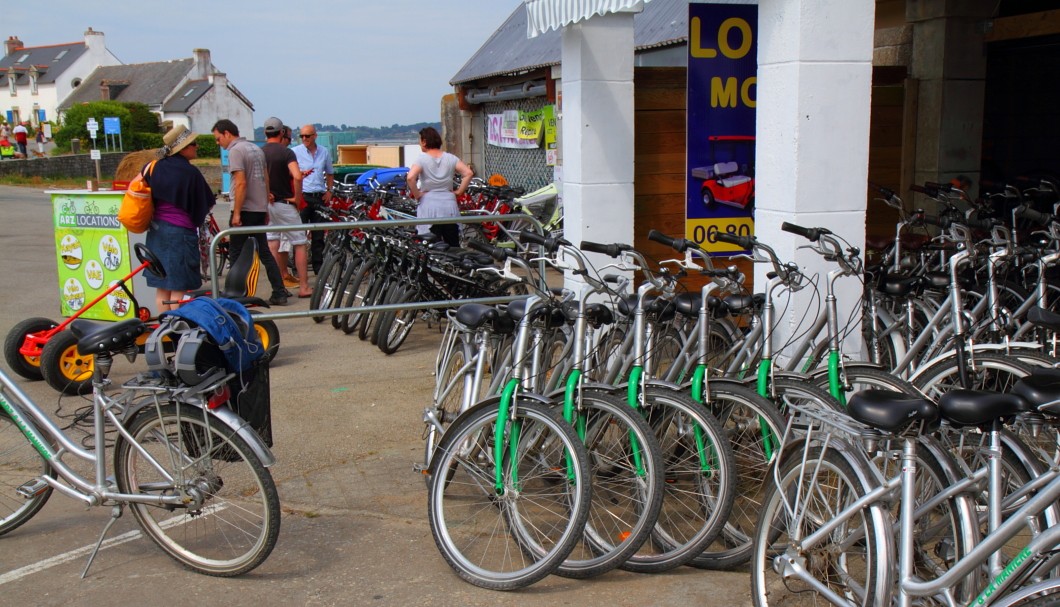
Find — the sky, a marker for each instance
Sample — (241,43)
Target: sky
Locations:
(355,62)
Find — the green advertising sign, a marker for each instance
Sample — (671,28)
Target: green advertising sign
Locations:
(92,249)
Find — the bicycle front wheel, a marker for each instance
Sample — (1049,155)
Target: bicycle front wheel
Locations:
(699,479)
(229,519)
(852,561)
(754,427)
(509,538)
(627,484)
(20,465)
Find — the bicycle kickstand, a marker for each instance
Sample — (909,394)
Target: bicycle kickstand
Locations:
(115,514)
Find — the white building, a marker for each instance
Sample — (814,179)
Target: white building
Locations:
(191,92)
(34,80)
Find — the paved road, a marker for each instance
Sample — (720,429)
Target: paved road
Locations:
(347,431)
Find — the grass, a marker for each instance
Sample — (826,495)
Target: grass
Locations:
(75,183)
(35,181)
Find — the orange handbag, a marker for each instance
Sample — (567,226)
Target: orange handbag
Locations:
(137,208)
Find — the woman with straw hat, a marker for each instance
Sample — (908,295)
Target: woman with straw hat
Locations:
(182,199)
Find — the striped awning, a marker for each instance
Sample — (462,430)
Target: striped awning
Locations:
(544,15)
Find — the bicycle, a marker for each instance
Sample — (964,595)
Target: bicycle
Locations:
(827,529)
(192,472)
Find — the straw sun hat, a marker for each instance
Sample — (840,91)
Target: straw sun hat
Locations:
(177,139)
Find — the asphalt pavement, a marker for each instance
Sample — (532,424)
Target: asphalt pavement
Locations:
(347,430)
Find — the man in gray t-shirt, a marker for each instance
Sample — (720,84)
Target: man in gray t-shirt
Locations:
(250,200)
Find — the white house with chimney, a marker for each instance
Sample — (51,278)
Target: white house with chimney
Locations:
(34,80)
(190,92)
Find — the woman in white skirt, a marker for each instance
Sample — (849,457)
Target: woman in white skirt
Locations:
(430,181)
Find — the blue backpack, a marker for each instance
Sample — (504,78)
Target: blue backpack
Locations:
(228,325)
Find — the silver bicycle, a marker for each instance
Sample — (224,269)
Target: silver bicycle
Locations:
(191,471)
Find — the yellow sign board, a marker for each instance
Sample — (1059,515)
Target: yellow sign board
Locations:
(704,232)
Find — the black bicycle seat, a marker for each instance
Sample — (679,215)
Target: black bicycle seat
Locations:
(100,338)
(893,412)
(976,408)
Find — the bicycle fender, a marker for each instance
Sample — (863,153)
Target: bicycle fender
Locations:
(230,419)
(242,427)
(556,396)
(1023,345)
(667,385)
(489,403)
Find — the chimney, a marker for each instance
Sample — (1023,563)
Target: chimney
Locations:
(219,79)
(201,68)
(109,90)
(11,45)
(94,39)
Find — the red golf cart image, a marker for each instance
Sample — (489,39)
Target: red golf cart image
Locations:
(729,182)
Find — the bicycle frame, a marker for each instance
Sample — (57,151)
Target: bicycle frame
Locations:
(1040,549)
(38,428)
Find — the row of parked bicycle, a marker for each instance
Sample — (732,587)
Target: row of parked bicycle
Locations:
(645,428)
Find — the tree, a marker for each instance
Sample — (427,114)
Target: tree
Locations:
(140,128)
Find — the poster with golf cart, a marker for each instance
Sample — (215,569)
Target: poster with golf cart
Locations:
(722,80)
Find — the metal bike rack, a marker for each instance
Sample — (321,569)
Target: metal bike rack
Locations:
(369,224)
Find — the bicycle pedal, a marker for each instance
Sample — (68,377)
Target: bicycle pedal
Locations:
(419,468)
(32,489)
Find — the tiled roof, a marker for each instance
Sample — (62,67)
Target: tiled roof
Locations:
(149,83)
(51,62)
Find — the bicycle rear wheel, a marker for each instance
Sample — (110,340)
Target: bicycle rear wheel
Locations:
(20,464)
(230,518)
(504,540)
(852,561)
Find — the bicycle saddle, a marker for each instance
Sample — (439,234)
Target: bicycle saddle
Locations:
(596,314)
(1041,389)
(474,316)
(893,412)
(738,304)
(689,304)
(100,338)
(1044,318)
(517,310)
(653,304)
(977,408)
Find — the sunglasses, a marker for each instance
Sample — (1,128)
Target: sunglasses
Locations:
(307,136)
(193,144)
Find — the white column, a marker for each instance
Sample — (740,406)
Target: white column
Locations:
(814,87)
(597,129)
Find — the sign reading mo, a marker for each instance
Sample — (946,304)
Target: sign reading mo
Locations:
(734,40)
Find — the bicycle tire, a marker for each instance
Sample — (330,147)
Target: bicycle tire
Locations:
(755,427)
(474,527)
(627,490)
(20,463)
(232,518)
(700,486)
(995,372)
(341,292)
(326,285)
(395,325)
(449,395)
(866,560)
(356,293)
(376,291)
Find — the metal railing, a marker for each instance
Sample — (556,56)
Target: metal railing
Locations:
(370,224)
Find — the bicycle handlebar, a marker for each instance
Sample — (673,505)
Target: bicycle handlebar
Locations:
(611,250)
(744,242)
(1030,214)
